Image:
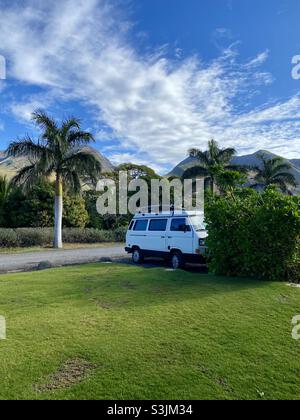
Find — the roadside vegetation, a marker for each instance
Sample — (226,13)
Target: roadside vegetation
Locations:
(254,230)
(254,234)
(43,237)
(106,331)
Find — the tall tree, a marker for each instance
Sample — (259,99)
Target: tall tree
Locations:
(275,171)
(210,163)
(58,151)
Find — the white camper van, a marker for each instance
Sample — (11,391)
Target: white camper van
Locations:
(178,236)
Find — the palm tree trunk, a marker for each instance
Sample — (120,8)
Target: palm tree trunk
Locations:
(58,211)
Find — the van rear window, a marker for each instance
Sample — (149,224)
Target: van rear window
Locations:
(158,225)
(141,225)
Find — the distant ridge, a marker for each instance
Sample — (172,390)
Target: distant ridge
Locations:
(248,160)
(295,162)
(10,166)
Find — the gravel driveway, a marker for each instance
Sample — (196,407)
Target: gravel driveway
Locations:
(31,260)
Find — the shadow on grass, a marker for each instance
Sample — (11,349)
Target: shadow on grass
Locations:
(160,263)
(152,283)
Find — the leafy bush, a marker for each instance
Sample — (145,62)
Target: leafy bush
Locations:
(93,235)
(28,237)
(74,212)
(120,234)
(8,238)
(89,236)
(256,235)
(34,209)
(293,267)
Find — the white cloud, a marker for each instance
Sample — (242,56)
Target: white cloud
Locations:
(258,60)
(157,107)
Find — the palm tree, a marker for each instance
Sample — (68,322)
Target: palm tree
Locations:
(275,171)
(210,163)
(59,152)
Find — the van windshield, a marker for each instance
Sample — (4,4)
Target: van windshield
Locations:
(198,223)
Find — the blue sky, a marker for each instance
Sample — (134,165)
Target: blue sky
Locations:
(153,78)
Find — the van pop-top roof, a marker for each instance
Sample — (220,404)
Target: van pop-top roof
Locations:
(171,213)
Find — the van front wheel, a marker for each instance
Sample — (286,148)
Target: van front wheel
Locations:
(137,256)
(177,261)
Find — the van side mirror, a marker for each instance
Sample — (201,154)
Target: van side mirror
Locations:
(187,228)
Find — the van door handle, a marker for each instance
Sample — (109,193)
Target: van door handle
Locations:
(170,237)
(163,237)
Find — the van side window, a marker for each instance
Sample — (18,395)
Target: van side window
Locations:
(179,225)
(158,225)
(141,225)
(131,225)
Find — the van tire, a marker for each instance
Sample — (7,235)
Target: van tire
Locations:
(137,256)
(177,260)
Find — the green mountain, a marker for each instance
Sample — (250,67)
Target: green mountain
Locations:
(10,166)
(248,160)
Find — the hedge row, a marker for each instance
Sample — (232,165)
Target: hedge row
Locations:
(255,235)
(27,237)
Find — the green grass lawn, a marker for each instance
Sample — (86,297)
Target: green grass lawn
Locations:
(107,331)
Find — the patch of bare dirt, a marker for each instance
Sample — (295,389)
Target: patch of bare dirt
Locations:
(108,306)
(72,372)
(224,384)
(219,380)
(282,298)
(102,305)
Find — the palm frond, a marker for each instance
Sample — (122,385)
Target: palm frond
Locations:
(194,152)
(224,156)
(281,184)
(44,121)
(79,138)
(84,163)
(72,181)
(203,157)
(27,147)
(286,177)
(239,168)
(70,124)
(5,188)
(194,172)
(281,167)
(28,176)
(213,149)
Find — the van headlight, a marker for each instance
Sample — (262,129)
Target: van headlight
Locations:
(201,242)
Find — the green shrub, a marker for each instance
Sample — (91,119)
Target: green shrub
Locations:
(34,237)
(29,237)
(34,209)
(254,235)
(8,238)
(120,234)
(74,212)
(88,236)
(293,267)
